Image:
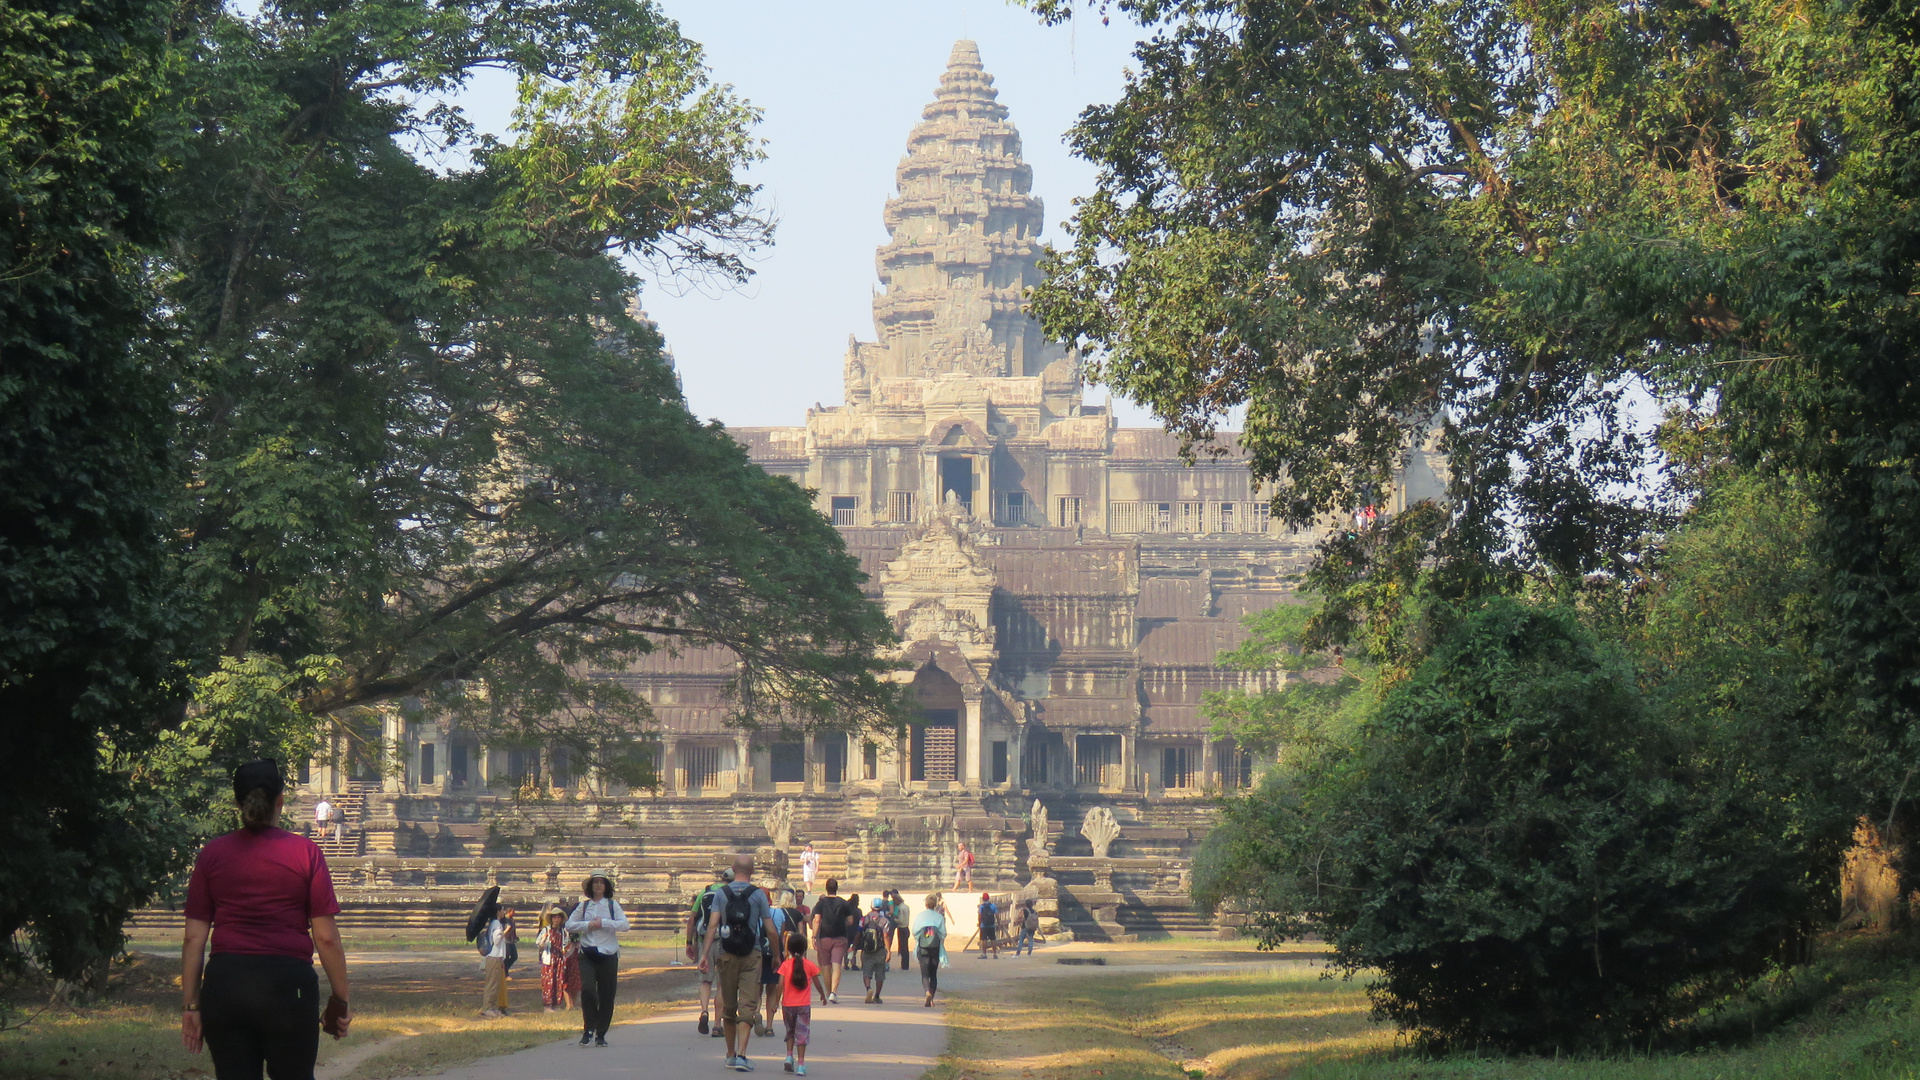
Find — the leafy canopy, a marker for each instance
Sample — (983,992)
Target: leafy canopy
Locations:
(1520,850)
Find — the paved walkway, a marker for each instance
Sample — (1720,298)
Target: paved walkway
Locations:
(897,1040)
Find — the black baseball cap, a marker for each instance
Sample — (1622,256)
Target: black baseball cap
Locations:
(263,774)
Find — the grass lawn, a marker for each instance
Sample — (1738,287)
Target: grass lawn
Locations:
(1853,1017)
(425,1012)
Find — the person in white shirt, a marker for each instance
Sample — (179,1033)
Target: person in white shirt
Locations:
(322,814)
(809,867)
(494,998)
(597,920)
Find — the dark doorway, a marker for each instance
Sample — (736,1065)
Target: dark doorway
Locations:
(956,475)
(835,767)
(999,756)
(789,763)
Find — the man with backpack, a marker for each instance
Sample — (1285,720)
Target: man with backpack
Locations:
(830,937)
(741,916)
(876,939)
(697,917)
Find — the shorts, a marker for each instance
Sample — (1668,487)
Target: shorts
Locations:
(713,962)
(799,1020)
(768,976)
(832,950)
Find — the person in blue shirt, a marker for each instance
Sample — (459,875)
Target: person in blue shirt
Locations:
(740,914)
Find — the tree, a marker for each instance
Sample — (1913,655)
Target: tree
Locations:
(1505,221)
(1521,852)
(435,456)
(90,628)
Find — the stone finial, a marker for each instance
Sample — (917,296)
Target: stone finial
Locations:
(1038,843)
(779,824)
(1100,828)
(965,54)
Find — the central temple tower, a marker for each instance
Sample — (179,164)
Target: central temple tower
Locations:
(964,246)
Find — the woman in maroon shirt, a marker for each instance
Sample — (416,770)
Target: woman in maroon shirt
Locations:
(268,898)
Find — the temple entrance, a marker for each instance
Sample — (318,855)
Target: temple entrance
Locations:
(936,746)
(1098,760)
(956,475)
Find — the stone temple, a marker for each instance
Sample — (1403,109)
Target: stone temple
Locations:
(1061,586)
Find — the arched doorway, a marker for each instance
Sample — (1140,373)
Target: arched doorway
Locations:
(934,755)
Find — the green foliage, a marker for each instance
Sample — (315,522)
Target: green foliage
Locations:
(89,624)
(1521,851)
(430,442)
(1303,713)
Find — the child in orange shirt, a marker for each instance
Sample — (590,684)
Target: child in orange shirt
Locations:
(796,1004)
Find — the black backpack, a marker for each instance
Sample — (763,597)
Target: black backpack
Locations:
(870,939)
(736,922)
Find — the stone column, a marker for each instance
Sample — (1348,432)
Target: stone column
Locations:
(970,770)
(1209,768)
(743,772)
(1070,752)
(669,765)
(1017,757)
(1129,774)
(393,737)
(809,761)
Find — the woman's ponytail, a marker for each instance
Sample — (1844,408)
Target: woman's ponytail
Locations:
(256,809)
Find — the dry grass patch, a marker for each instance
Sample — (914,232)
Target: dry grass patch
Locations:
(1120,1026)
(425,1011)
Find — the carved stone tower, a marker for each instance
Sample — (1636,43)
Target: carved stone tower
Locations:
(964,246)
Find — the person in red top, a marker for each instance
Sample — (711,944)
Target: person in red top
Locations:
(797,974)
(267,897)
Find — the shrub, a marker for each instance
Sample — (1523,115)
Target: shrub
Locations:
(1518,852)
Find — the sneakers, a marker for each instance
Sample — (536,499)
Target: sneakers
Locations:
(702,1026)
(586,1037)
(833,999)
(739,1063)
(877,1001)
(869,996)
(789,1065)
(800,1070)
(599,1040)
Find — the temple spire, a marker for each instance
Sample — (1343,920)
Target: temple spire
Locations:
(964,245)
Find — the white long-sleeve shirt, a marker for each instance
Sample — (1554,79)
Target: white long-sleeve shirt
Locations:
(612,921)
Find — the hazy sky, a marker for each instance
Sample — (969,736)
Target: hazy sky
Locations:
(840,83)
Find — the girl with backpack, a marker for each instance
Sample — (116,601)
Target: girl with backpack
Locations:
(796,1004)
(930,941)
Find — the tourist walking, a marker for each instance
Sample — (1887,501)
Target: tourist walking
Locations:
(963,868)
(559,962)
(496,945)
(902,915)
(989,926)
(1029,917)
(267,898)
(698,945)
(930,941)
(598,919)
(852,961)
(830,937)
(796,1004)
(876,940)
(740,916)
(322,814)
(809,867)
(778,925)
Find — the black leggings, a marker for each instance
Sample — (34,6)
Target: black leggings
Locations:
(599,976)
(260,1010)
(930,970)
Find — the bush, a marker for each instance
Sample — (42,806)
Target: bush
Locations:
(1518,852)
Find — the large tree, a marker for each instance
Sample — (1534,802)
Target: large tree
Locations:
(434,455)
(88,628)
(1510,224)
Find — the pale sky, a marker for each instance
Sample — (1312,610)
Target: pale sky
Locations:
(840,83)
